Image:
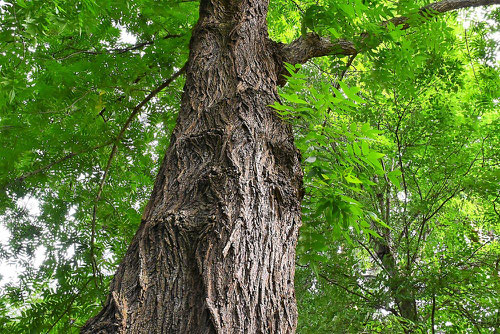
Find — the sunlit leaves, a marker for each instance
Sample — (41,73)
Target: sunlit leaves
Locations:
(338,160)
(68,83)
(419,90)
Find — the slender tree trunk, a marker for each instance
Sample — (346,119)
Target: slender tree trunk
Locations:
(403,296)
(216,247)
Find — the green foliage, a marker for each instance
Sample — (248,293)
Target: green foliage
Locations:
(433,182)
(68,84)
(339,157)
(400,149)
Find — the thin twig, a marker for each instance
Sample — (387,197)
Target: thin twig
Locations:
(433,312)
(425,219)
(117,50)
(331,281)
(69,306)
(344,71)
(374,258)
(53,163)
(470,59)
(337,86)
(114,150)
(298,7)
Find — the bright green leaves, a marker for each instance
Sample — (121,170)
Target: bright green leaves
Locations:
(352,179)
(352,94)
(431,92)
(393,177)
(373,158)
(293,98)
(340,161)
(337,19)
(318,100)
(21,3)
(68,84)
(312,18)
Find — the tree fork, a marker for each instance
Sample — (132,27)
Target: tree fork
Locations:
(215,250)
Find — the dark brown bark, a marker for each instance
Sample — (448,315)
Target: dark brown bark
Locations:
(215,250)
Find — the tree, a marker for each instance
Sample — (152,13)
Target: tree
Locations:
(435,192)
(215,249)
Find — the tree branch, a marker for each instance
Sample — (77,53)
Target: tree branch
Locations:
(312,45)
(68,308)
(114,150)
(425,219)
(331,281)
(377,303)
(117,50)
(107,143)
(55,162)
(433,313)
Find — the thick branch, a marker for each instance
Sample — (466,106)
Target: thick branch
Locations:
(312,45)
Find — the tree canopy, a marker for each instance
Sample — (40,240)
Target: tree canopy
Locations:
(395,109)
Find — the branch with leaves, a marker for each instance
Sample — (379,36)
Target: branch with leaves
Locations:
(114,150)
(312,45)
(134,47)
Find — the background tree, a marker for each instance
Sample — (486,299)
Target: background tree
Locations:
(437,263)
(85,117)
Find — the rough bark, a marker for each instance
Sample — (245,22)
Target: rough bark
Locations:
(215,250)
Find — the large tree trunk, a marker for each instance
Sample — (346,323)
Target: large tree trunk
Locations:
(216,247)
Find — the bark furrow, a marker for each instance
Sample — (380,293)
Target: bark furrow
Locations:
(215,250)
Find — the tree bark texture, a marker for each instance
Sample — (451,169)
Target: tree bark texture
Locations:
(215,250)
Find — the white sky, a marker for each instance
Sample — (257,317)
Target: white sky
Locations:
(9,271)
(126,37)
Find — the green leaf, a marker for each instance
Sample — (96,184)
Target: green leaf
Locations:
(352,179)
(365,147)
(21,3)
(357,150)
(293,98)
(393,177)
(12,95)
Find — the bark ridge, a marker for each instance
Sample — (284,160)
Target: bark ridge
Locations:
(215,251)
